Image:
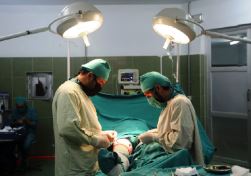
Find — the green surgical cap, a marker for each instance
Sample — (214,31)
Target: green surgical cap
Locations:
(21,100)
(150,79)
(99,67)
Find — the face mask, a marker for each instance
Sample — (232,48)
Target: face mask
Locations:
(153,102)
(91,91)
(158,97)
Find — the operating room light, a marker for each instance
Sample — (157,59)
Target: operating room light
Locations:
(76,20)
(166,25)
(87,20)
(171,33)
(81,28)
(174,25)
(234,42)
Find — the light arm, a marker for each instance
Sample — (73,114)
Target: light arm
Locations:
(224,36)
(215,34)
(28,32)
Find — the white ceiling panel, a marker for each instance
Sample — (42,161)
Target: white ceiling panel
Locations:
(101,2)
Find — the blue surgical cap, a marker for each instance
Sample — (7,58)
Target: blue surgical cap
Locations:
(150,79)
(21,101)
(99,67)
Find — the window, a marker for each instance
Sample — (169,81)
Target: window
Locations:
(39,85)
(229,53)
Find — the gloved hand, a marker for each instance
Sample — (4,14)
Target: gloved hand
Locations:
(100,141)
(111,134)
(147,137)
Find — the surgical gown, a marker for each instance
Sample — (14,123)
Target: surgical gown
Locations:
(177,128)
(75,122)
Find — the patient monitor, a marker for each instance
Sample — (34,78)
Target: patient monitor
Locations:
(129,81)
(128,76)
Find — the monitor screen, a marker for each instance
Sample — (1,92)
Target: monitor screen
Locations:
(128,76)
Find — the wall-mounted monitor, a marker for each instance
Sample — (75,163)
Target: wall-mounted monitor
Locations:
(128,76)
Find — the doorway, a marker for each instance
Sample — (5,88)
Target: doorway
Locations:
(229,102)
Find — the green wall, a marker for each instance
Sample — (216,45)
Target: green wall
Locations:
(13,80)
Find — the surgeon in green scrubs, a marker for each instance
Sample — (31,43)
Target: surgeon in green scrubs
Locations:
(78,133)
(177,125)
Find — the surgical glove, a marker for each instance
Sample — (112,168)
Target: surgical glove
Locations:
(100,141)
(147,137)
(111,134)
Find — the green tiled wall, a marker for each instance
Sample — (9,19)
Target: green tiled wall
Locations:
(144,64)
(13,80)
(199,85)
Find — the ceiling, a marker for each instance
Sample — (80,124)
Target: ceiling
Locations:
(101,2)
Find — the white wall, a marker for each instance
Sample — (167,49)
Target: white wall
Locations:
(126,31)
(223,13)
(16,19)
(219,14)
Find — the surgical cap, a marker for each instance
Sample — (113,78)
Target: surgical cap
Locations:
(150,79)
(21,101)
(99,67)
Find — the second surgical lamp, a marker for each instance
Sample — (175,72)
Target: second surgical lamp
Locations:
(76,20)
(176,26)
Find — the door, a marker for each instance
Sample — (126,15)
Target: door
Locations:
(229,87)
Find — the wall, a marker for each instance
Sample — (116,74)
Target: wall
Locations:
(235,13)
(126,39)
(219,14)
(126,31)
(13,80)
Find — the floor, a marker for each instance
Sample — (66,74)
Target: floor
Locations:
(42,167)
(37,167)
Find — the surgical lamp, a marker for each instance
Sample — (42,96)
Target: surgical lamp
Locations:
(76,20)
(176,26)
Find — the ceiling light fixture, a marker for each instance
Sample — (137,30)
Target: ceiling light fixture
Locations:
(166,25)
(176,26)
(234,42)
(76,20)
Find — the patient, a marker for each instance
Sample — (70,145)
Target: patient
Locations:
(116,161)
